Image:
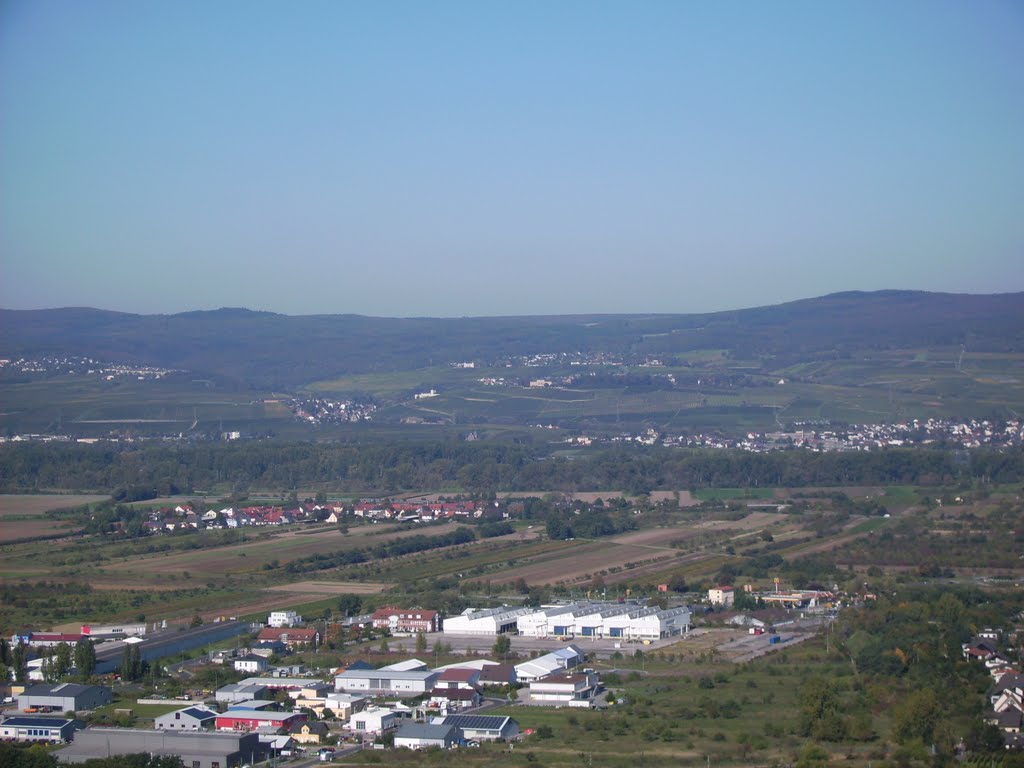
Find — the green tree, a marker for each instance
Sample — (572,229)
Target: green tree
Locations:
(421,643)
(916,717)
(819,710)
(19,660)
(85,658)
(350,605)
(502,646)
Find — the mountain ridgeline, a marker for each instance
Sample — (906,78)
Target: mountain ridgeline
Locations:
(263,349)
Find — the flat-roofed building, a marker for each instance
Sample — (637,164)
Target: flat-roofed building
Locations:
(47,729)
(196,749)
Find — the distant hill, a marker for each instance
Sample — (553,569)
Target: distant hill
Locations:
(264,349)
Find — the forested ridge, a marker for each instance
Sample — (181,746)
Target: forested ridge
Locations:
(141,472)
(267,350)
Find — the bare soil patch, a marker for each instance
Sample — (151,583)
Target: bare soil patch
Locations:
(38,504)
(332,587)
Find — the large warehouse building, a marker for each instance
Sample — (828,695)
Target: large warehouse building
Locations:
(64,697)
(196,749)
(628,621)
(490,621)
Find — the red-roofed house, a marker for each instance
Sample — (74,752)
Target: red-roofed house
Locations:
(290,636)
(403,620)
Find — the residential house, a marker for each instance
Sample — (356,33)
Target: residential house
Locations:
(310,733)
(292,637)
(401,620)
(251,663)
(343,705)
(566,689)
(723,595)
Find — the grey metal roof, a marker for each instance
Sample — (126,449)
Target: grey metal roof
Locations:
(425,731)
(477,722)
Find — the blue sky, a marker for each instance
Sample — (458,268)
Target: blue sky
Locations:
(495,158)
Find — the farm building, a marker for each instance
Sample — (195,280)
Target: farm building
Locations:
(48,729)
(490,621)
(377,682)
(64,697)
(188,719)
(196,749)
(568,689)
(481,727)
(423,735)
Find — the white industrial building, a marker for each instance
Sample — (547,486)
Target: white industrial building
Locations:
(648,624)
(556,661)
(378,682)
(628,621)
(489,621)
(373,720)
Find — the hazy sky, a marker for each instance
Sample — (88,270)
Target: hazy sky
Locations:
(484,157)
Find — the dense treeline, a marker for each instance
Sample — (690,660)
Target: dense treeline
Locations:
(391,468)
(381,551)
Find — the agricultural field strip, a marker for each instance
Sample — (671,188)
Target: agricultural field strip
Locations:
(280,547)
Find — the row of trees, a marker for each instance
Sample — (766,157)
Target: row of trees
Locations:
(58,662)
(394,467)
